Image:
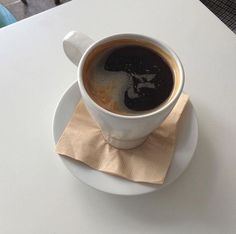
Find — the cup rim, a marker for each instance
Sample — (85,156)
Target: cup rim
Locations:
(131,36)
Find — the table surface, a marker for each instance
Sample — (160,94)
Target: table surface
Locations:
(38,194)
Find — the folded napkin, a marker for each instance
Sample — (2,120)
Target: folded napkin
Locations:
(82,140)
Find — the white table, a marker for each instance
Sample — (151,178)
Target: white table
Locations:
(37,193)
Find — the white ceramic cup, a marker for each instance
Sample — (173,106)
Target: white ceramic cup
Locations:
(121,131)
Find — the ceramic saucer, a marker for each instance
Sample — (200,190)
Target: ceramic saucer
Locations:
(185,146)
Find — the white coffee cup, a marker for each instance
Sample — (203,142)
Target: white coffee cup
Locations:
(122,131)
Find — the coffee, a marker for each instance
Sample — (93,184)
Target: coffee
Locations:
(128,78)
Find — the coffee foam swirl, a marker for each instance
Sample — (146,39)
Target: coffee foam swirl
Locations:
(110,91)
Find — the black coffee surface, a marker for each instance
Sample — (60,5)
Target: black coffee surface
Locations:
(150,77)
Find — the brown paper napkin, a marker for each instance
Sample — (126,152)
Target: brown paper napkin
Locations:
(82,140)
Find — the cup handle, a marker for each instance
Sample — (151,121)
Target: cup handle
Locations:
(75,44)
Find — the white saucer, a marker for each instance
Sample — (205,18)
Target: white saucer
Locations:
(185,147)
